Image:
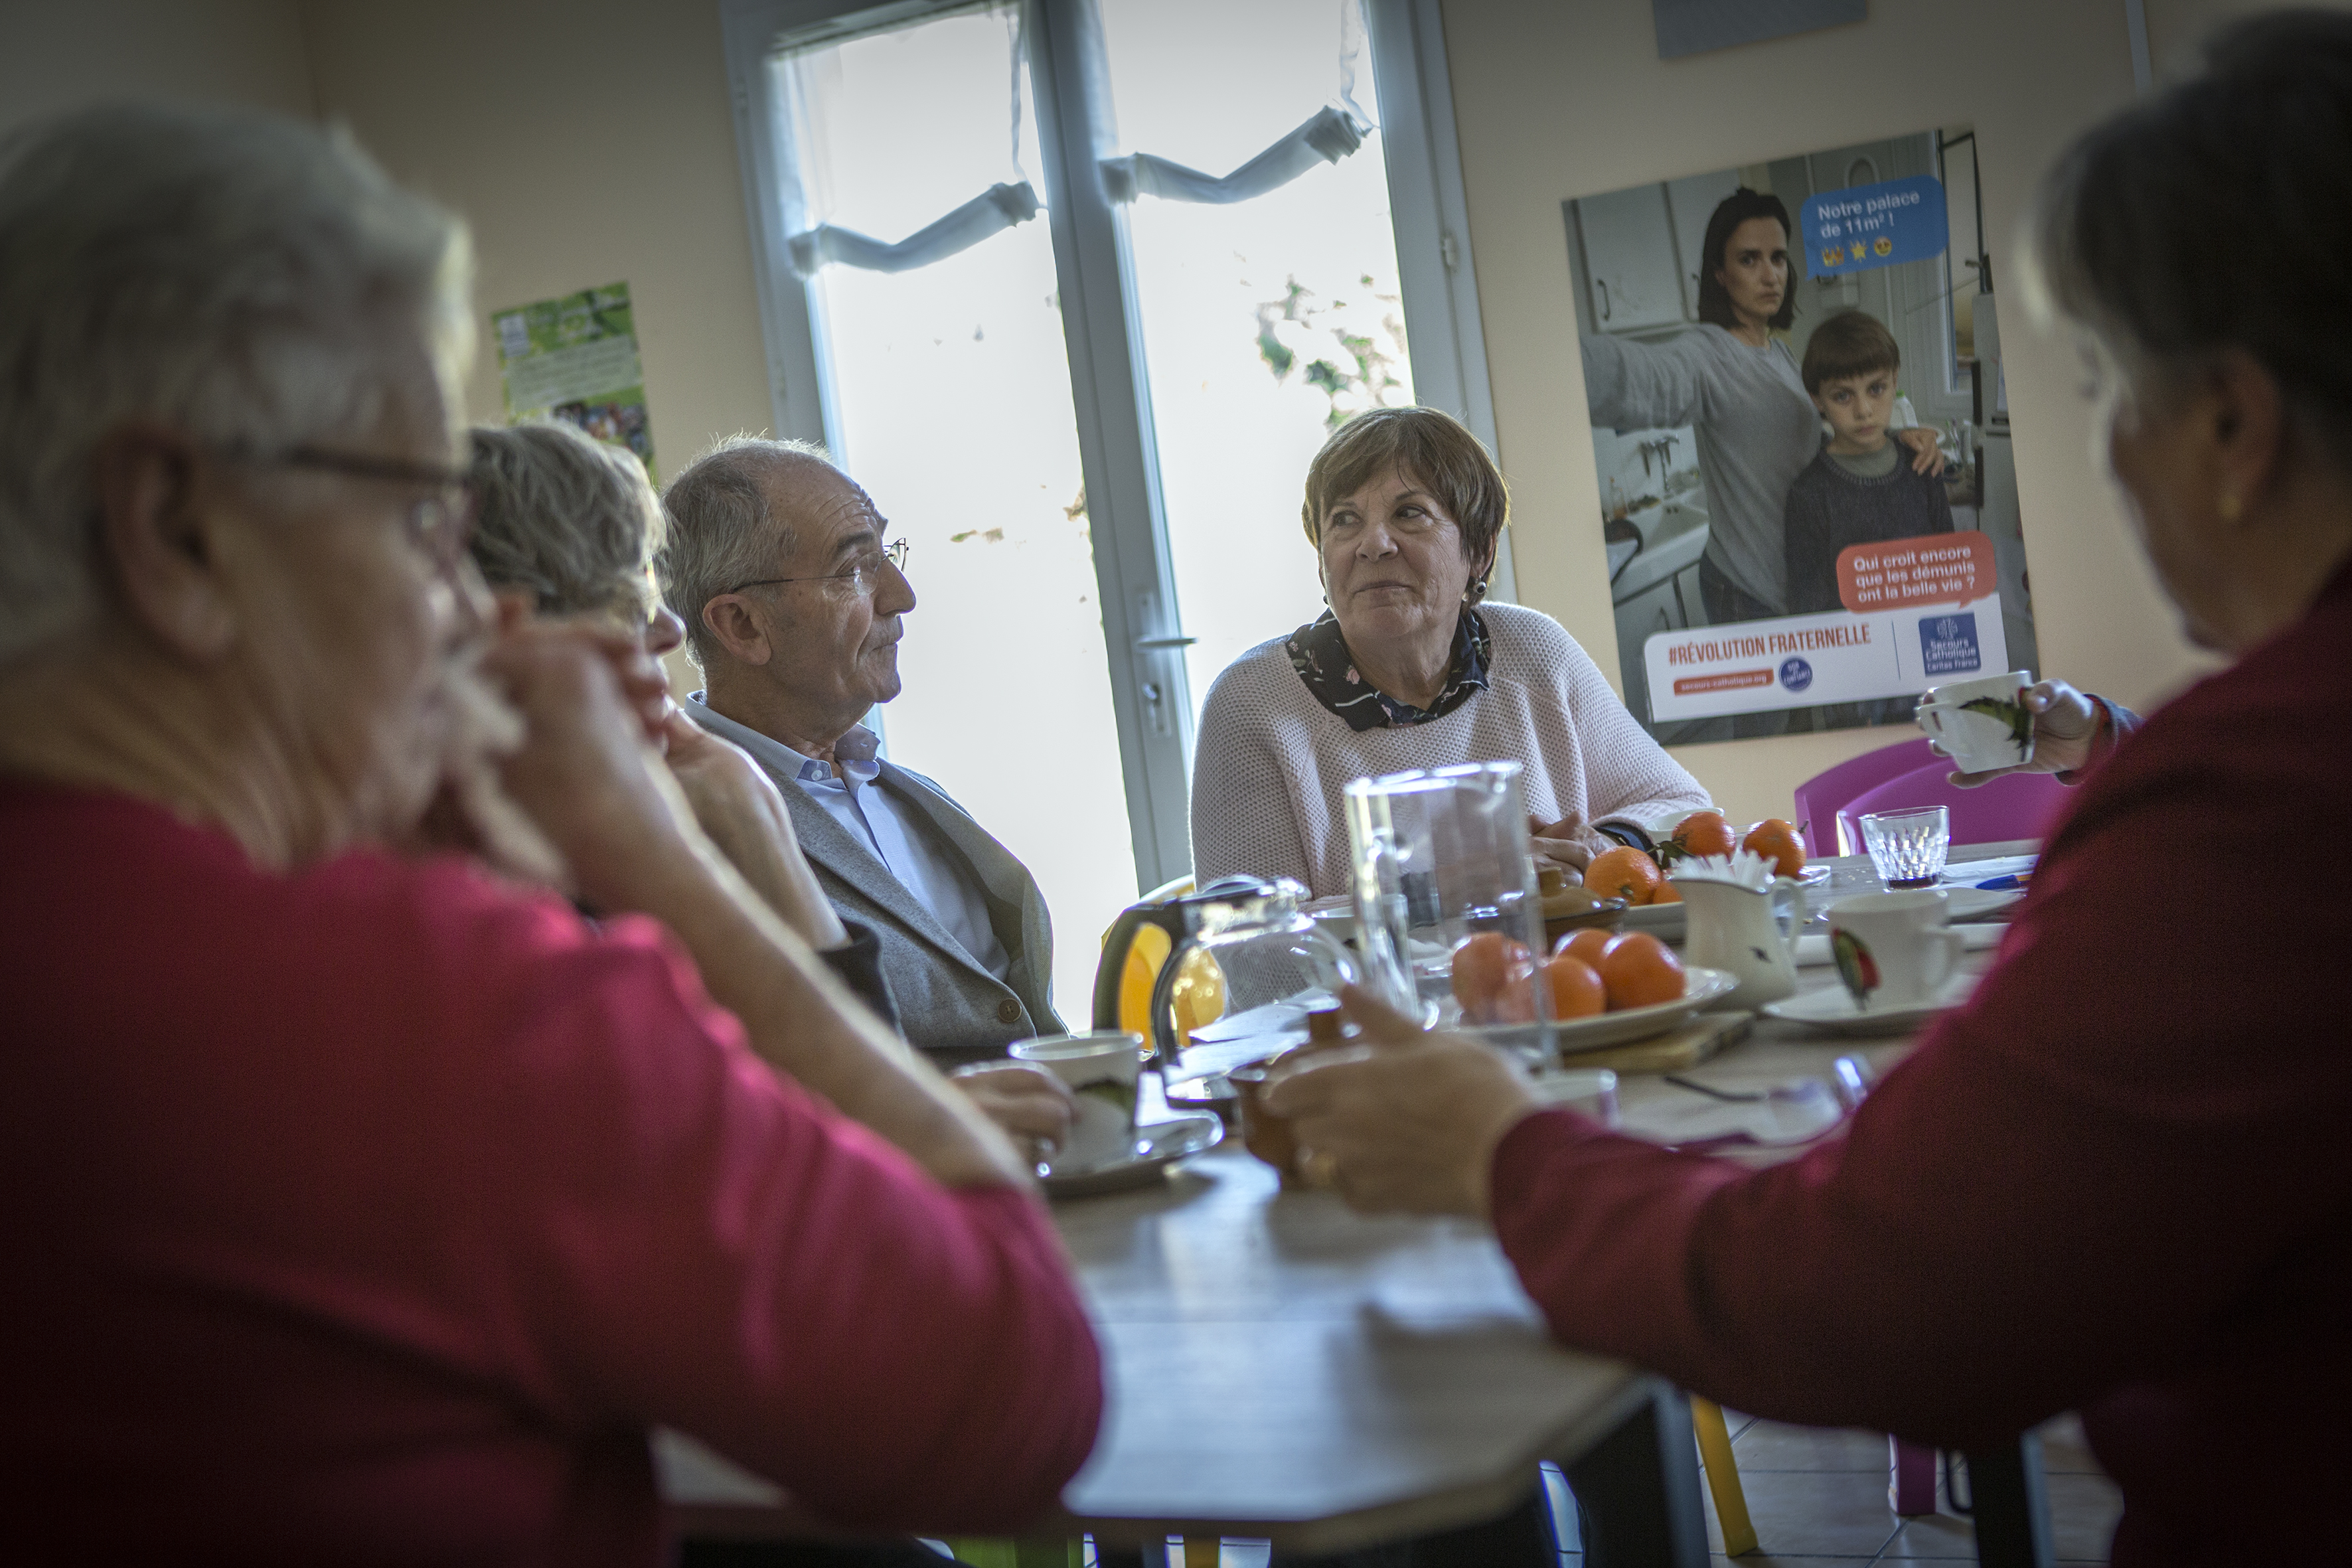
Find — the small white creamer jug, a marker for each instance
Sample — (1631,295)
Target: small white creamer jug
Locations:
(1735,925)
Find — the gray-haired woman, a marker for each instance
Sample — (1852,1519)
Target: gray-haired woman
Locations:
(2059,1201)
(359,1203)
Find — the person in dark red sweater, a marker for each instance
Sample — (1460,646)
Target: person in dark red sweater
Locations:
(361,1205)
(2114,1182)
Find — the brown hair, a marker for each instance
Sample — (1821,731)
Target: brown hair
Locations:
(1715,255)
(1852,342)
(1437,452)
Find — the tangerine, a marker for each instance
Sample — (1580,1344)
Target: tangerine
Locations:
(1667,893)
(1590,945)
(1706,833)
(1622,873)
(1780,842)
(1486,967)
(1639,972)
(1577,989)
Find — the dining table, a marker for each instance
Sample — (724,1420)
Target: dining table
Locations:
(1280,1368)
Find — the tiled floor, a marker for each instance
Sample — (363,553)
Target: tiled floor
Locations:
(1818,1498)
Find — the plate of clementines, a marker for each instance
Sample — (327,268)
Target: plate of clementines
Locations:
(1643,876)
(1604,987)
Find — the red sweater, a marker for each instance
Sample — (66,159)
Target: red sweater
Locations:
(2116,1182)
(374,1214)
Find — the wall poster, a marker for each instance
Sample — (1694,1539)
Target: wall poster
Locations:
(575,359)
(1770,354)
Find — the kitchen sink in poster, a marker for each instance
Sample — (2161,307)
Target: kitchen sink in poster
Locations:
(1772,354)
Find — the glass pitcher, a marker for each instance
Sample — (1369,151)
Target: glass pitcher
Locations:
(1440,855)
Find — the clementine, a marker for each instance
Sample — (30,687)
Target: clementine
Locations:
(1641,970)
(1704,833)
(1590,945)
(1486,968)
(1622,873)
(1780,842)
(1577,990)
(1667,893)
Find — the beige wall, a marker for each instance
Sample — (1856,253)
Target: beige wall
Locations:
(590,141)
(587,142)
(1556,100)
(56,54)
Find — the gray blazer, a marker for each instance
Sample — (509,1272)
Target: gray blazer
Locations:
(947,1004)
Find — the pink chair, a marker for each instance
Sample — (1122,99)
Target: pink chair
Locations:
(1819,797)
(2019,805)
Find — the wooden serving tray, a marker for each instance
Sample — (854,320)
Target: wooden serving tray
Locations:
(1692,1043)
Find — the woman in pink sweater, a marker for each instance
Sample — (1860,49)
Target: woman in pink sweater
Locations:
(361,1206)
(1411,668)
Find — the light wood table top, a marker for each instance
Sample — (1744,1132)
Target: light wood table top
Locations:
(1281,1368)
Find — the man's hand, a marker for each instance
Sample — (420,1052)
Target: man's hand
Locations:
(1927,457)
(1570,844)
(1030,1104)
(739,806)
(2065,727)
(1409,1121)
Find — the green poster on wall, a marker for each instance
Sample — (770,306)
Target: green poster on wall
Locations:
(575,359)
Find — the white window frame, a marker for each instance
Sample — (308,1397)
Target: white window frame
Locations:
(1102,327)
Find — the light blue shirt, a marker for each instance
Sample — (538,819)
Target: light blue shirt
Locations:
(879,822)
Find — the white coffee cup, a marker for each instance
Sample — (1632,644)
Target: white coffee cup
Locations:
(1895,949)
(1981,724)
(1100,1071)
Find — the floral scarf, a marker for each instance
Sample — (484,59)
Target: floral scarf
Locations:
(1319,654)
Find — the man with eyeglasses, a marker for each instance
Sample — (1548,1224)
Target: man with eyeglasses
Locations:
(792,593)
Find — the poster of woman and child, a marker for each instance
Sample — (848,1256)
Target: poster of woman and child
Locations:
(1808,508)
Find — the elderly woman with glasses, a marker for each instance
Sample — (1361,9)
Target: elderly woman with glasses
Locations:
(1411,667)
(360,1203)
(2114,1182)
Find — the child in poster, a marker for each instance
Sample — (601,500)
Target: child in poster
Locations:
(1857,490)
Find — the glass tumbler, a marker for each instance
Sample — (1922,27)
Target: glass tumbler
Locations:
(1440,855)
(1908,848)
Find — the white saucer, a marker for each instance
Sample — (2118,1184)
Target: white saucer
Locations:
(1701,987)
(1831,1009)
(1157,1146)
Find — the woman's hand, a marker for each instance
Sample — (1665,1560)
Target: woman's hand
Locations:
(1407,1121)
(739,807)
(585,772)
(2066,725)
(1927,457)
(1570,844)
(1028,1103)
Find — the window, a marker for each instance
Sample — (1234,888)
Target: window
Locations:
(1076,289)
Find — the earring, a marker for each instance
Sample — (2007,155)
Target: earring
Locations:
(2230,506)
(1476,591)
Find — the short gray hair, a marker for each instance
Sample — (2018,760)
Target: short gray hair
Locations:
(721,530)
(239,277)
(565,517)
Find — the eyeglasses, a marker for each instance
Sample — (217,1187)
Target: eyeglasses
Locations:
(441,523)
(862,578)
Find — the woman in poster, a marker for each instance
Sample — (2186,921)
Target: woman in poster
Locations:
(1737,387)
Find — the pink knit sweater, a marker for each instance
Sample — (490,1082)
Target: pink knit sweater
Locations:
(1271,760)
